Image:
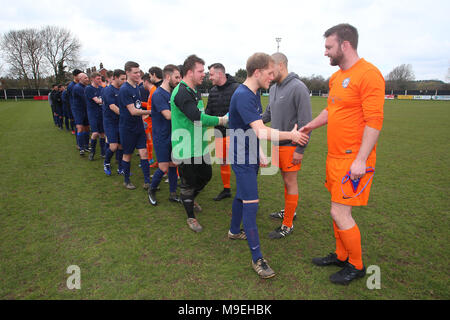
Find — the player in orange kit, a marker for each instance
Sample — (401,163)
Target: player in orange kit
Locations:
(354,116)
(148,85)
(152,81)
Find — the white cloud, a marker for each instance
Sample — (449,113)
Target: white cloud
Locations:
(161,32)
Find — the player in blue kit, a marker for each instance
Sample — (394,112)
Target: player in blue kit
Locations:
(247,128)
(111,114)
(161,132)
(79,111)
(131,126)
(69,98)
(94,102)
(68,118)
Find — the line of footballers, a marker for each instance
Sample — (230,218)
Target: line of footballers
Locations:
(115,111)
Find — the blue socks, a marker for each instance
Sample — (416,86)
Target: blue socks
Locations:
(157,176)
(236,216)
(173,179)
(145,170)
(93,145)
(102,146)
(108,156)
(83,140)
(251,230)
(119,155)
(246,212)
(78,137)
(126,170)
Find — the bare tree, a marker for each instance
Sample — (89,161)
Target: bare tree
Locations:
(23,50)
(13,47)
(62,49)
(35,55)
(400,77)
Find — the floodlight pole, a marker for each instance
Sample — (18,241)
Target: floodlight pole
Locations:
(278,40)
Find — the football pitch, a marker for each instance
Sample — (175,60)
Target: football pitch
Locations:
(58,210)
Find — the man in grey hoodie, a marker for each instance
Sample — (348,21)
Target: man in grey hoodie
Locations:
(289,104)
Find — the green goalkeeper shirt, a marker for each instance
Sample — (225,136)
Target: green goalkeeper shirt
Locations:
(189,123)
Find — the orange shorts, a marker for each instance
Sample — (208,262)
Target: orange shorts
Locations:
(222,145)
(336,169)
(282,157)
(148,121)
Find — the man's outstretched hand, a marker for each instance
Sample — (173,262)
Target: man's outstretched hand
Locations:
(299,137)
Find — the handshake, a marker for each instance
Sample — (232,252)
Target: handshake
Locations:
(223,121)
(300,137)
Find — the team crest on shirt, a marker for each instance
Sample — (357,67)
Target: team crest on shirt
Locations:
(138,104)
(345,82)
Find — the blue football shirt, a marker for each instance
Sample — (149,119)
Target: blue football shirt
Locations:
(130,95)
(245,108)
(110,95)
(70,92)
(79,99)
(161,126)
(90,92)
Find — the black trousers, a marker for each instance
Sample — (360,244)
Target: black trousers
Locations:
(195,173)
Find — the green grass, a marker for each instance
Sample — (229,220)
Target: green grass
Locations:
(58,210)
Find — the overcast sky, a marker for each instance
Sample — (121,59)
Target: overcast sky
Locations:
(154,32)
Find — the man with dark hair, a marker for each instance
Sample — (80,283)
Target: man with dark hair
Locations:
(218,105)
(109,76)
(152,81)
(79,110)
(69,98)
(131,127)
(354,118)
(189,123)
(289,104)
(180,67)
(111,112)
(94,104)
(68,117)
(161,119)
(65,107)
(247,128)
(57,105)
(142,88)
(156,75)
(52,97)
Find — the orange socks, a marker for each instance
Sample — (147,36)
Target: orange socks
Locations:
(351,239)
(225,172)
(341,252)
(290,204)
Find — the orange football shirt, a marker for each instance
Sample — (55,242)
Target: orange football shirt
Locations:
(355,99)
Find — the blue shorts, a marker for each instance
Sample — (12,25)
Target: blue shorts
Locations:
(95,120)
(112,131)
(246,181)
(163,150)
(67,112)
(80,116)
(59,111)
(132,140)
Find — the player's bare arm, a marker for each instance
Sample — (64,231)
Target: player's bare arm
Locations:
(114,108)
(319,121)
(137,112)
(370,138)
(267,133)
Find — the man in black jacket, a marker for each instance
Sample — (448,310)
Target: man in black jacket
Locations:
(218,105)
(56,103)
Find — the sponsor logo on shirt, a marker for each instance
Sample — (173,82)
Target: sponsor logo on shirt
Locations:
(345,83)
